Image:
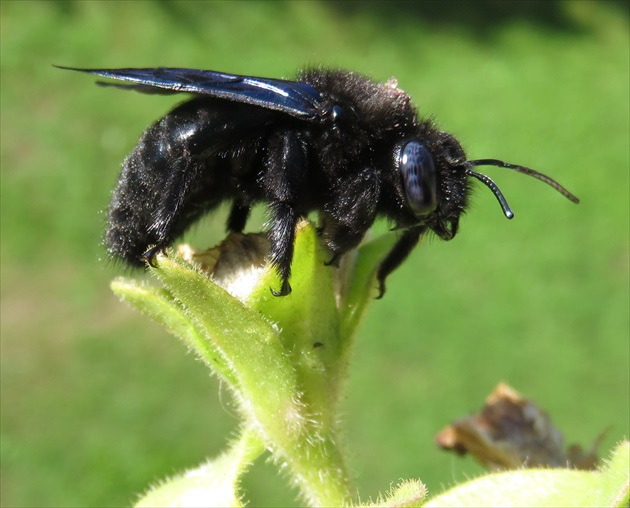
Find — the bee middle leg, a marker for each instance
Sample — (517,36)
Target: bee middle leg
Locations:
(238,217)
(281,238)
(282,182)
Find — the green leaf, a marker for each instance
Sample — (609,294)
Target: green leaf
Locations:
(309,328)
(547,487)
(359,282)
(408,493)
(308,318)
(285,358)
(248,342)
(290,410)
(159,305)
(215,483)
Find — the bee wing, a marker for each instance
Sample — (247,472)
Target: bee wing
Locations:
(292,97)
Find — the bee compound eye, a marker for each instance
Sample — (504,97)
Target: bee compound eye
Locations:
(419,177)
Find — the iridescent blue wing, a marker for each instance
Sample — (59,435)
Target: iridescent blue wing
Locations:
(297,99)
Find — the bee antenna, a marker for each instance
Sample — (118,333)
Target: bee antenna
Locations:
(526,171)
(487,181)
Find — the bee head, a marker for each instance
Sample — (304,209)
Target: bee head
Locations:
(432,181)
(435,177)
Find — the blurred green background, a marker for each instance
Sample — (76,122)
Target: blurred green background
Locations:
(97,402)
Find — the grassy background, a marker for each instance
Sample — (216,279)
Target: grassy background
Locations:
(97,402)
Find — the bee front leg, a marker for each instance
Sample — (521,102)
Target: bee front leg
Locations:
(397,255)
(351,212)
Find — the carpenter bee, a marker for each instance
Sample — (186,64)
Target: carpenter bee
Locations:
(331,141)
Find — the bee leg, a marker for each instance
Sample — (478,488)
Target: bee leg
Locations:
(334,260)
(238,217)
(397,255)
(350,215)
(284,174)
(281,238)
(149,255)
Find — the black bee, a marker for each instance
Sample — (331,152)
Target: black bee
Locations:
(332,141)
